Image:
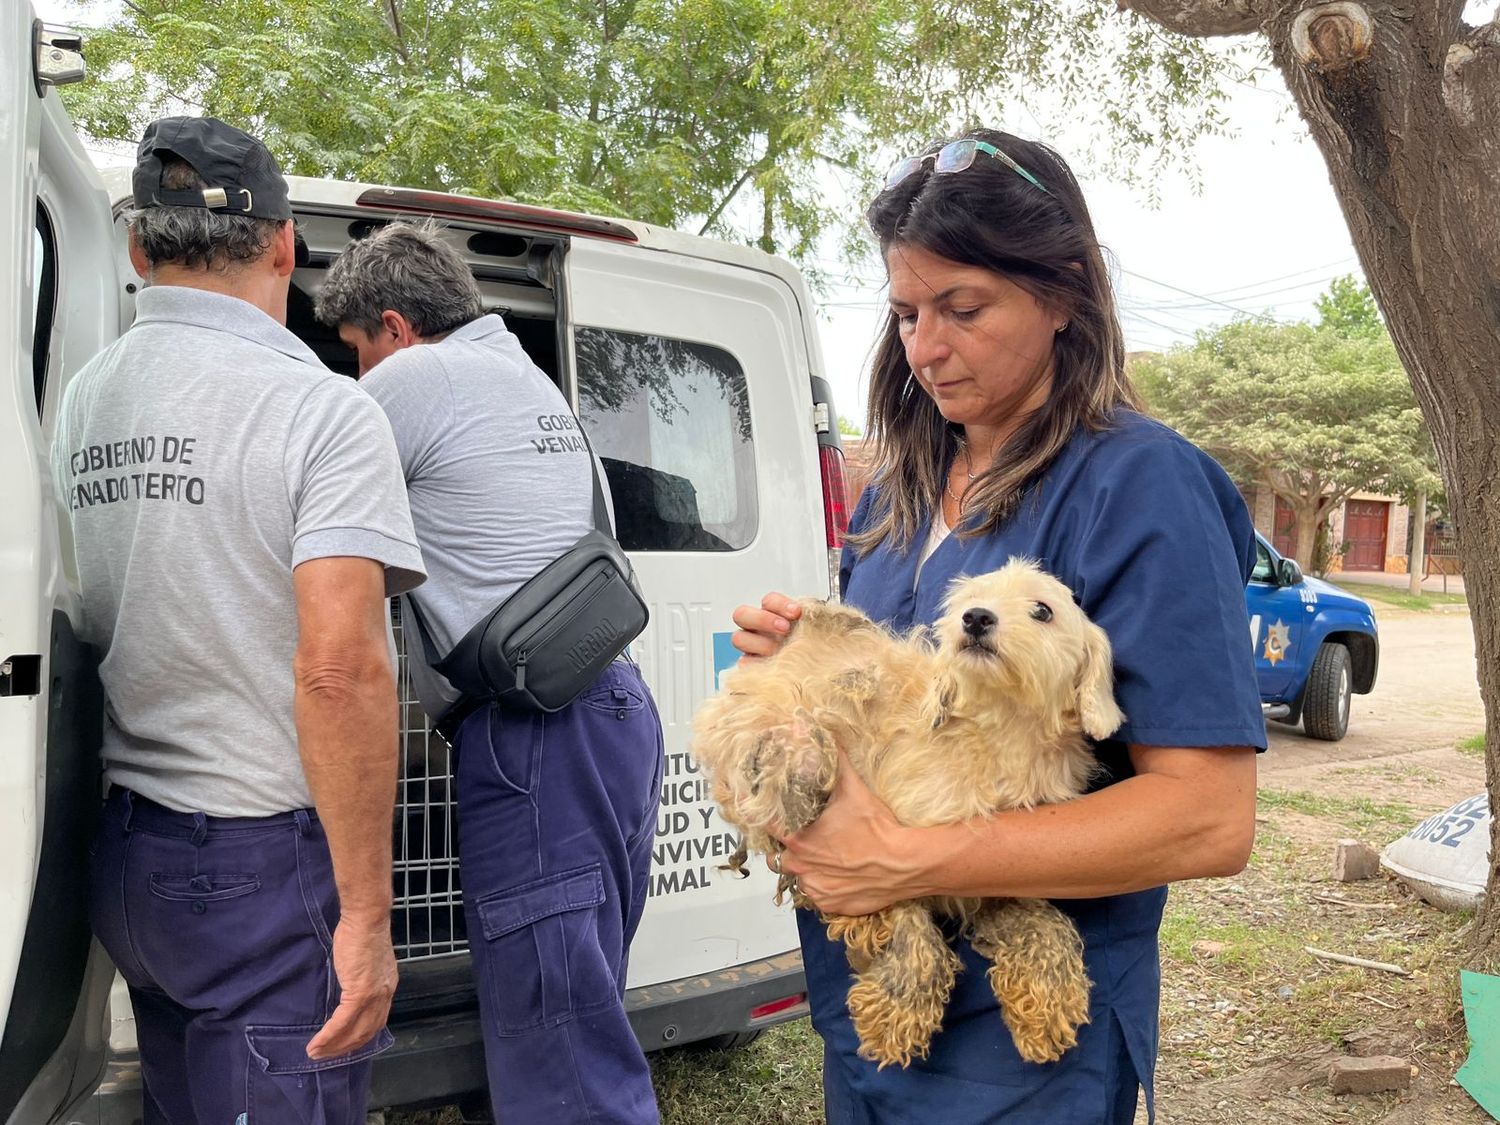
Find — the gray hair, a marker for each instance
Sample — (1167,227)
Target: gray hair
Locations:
(406,267)
(195,236)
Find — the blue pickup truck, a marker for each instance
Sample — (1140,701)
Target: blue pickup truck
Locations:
(1315,645)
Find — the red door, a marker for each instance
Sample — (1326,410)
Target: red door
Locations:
(1364,530)
(1284,529)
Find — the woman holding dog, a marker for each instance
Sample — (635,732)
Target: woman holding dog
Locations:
(1004,425)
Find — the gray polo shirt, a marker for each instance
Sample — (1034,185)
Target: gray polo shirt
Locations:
(200,458)
(497,472)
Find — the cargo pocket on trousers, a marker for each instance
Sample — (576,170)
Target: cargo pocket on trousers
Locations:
(542,956)
(285,1087)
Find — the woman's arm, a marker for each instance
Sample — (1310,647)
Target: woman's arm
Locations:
(1186,814)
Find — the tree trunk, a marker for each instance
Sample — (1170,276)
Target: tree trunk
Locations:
(767,240)
(1307,534)
(1402,99)
(1417,559)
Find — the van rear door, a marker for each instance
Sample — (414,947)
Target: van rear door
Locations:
(57,309)
(693,378)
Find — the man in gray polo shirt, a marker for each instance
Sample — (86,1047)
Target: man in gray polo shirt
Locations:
(238,519)
(557,812)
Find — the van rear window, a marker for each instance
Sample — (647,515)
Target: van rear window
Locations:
(670,420)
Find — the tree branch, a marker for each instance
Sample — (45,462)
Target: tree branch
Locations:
(392,13)
(759,165)
(1204,18)
(1333,36)
(1470,71)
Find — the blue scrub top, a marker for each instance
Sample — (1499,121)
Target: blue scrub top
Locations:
(1155,542)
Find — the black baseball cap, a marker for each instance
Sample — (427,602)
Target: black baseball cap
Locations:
(241,173)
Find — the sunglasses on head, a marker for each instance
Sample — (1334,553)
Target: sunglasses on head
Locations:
(955,157)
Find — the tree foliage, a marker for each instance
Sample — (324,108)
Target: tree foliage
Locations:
(1314,413)
(1349,308)
(733,117)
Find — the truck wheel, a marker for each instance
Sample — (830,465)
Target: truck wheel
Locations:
(1325,706)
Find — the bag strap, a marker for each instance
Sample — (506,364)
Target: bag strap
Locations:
(601,522)
(416,619)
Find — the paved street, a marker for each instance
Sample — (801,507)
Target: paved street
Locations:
(1426,699)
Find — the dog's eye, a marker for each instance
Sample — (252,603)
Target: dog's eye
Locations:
(1041,611)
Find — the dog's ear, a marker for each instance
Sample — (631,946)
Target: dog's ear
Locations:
(1097,710)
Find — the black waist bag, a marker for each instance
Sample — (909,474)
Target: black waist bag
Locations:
(544,645)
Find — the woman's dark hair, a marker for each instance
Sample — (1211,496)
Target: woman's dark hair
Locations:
(989,216)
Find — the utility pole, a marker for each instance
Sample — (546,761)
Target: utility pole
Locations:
(1418,543)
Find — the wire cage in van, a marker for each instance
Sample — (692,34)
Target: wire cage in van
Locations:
(427,915)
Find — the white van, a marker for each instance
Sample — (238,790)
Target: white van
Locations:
(695,366)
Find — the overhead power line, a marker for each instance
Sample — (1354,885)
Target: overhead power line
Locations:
(1178,333)
(1188,292)
(1283,277)
(1316,284)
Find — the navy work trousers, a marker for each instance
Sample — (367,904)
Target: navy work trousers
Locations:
(221,928)
(556,819)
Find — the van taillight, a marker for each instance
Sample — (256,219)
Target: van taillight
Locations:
(782,1005)
(835,495)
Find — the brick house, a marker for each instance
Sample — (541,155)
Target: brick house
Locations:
(856,468)
(1374,530)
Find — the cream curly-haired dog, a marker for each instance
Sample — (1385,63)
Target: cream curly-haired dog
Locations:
(992,717)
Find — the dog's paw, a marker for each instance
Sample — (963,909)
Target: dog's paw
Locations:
(1043,1013)
(888,1035)
(891,1031)
(1037,974)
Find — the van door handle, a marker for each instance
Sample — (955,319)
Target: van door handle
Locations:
(21,675)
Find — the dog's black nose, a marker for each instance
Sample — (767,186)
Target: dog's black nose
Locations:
(978,622)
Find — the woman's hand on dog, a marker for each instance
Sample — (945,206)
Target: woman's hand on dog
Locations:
(763,629)
(855,858)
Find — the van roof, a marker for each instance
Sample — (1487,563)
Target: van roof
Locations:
(307,191)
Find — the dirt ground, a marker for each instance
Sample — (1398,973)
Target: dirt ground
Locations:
(1250,1021)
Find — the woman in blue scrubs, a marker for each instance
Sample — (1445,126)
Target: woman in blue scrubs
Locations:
(1004,425)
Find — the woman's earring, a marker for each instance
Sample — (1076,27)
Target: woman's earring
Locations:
(1063,327)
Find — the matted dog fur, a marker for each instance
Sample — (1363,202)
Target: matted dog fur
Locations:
(991,716)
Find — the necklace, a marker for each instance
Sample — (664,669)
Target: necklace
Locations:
(963,448)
